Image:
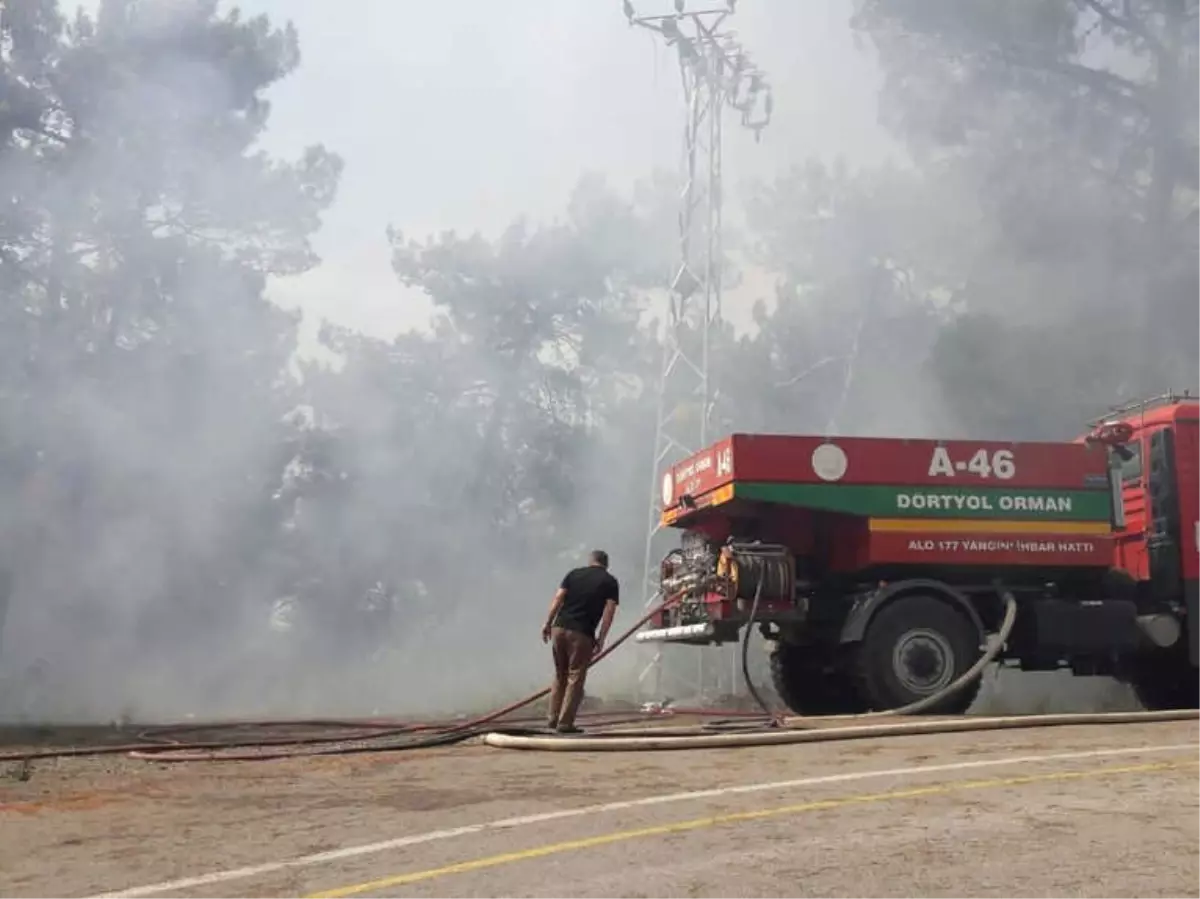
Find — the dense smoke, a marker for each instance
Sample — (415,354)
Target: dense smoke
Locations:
(205,514)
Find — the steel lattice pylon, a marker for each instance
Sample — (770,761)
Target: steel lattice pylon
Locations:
(716,75)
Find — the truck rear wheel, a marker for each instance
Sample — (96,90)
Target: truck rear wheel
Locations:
(808,684)
(914,647)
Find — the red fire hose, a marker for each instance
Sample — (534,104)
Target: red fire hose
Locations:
(163,744)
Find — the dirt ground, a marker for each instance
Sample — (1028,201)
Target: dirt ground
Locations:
(1007,820)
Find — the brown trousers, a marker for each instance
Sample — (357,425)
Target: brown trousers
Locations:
(572,654)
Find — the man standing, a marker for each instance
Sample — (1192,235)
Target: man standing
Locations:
(586,599)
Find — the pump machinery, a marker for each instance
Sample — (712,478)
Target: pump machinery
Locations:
(878,568)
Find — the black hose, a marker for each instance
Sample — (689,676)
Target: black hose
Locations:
(773,720)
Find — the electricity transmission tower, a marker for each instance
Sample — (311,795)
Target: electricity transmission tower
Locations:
(717,76)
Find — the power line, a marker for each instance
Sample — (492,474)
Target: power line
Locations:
(718,76)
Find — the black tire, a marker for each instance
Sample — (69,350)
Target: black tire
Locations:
(1166,680)
(913,647)
(809,684)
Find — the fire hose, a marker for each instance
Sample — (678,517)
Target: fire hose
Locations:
(163,744)
(776,731)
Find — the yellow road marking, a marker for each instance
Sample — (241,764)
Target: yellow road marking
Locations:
(506,858)
(984,526)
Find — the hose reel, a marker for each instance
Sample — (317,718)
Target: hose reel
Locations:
(767,570)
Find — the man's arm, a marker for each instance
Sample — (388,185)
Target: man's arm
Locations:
(610,609)
(606,617)
(555,605)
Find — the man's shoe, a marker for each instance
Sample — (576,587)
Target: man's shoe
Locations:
(568,729)
(552,724)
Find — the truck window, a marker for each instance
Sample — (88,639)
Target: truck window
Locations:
(1131,468)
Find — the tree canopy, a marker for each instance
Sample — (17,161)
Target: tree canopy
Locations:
(181,513)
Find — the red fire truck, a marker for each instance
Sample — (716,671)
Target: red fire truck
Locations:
(880,568)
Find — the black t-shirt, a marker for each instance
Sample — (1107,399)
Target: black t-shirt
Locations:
(587,591)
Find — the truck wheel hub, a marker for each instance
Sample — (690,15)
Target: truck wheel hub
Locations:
(923,661)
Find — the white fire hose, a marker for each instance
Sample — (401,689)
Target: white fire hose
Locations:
(813,729)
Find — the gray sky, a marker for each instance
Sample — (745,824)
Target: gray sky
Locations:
(465,113)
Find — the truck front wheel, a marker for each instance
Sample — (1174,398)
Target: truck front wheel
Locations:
(914,647)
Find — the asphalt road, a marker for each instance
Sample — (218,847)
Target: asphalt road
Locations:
(1082,811)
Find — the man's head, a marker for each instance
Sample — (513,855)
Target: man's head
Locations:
(598,557)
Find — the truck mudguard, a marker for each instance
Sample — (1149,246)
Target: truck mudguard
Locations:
(865,606)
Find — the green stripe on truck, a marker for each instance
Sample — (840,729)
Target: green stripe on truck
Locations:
(935,502)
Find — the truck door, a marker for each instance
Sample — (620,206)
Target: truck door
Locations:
(1187,478)
(1131,542)
(1187,490)
(1164,532)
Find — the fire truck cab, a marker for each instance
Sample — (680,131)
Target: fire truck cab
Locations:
(1157,534)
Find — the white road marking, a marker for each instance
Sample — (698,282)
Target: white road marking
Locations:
(333,855)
